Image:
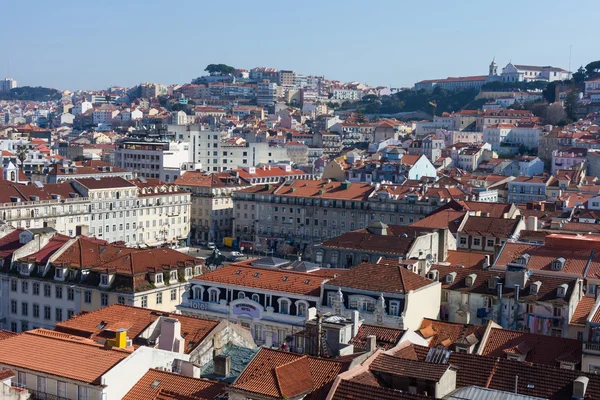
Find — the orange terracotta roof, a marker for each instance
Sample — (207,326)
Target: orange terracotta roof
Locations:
(440,333)
(266,278)
(102,324)
(583,310)
(381,278)
(157,384)
(538,349)
(465,258)
(386,337)
(448,218)
(6,334)
(279,374)
(60,356)
(490,227)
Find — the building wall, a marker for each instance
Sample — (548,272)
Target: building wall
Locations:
(422,303)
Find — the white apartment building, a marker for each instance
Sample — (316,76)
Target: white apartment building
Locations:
(7,84)
(266,93)
(346,94)
(81,108)
(160,160)
(527,73)
(105,114)
(215,154)
(49,278)
(511,135)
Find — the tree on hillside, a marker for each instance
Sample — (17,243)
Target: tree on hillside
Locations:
(219,69)
(22,155)
(555,113)
(592,69)
(571,105)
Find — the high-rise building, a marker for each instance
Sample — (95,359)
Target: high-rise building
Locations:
(7,84)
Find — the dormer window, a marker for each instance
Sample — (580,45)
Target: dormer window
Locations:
(173,275)
(450,277)
(59,273)
(104,280)
(562,290)
(40,269)
(523,259)
(188,272)
(534,289)
(558,264)
(470,279)
(197,270)
(433,275)
(492,282)
(158,278)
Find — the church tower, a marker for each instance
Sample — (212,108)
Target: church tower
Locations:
(493,68)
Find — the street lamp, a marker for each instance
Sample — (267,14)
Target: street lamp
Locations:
(242,249)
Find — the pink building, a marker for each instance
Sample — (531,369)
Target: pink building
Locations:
(567,158)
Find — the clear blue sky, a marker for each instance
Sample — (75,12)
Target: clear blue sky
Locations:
(92,45)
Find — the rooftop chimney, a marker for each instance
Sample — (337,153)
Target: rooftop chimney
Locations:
(355,317)
(222,365)
(170,335)
(580,386)
(371,343)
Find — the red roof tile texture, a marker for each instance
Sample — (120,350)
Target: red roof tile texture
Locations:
(387,364)
(381,278)
(57,355)
(386,337)
(542,349)
(157,384)
(353,390)
(102,324)
(265,278)
(273,373)
(583,310)
(440,333)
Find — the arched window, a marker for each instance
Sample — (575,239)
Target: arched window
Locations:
(241,295)
(362,303)
(213,295)
(198,292)
(301,308)
(256,298)
(284,306)
(394,307)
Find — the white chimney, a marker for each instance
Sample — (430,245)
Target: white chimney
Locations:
(355,317)
(170,335)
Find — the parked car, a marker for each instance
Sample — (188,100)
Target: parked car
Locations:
(202,243)
(236,254)
(211,245)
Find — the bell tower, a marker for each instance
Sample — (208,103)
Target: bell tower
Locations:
(493,71)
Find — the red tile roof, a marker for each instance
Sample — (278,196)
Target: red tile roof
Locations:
(583,310)
(155,385)
(200,179)
(278,374)
(540,349)
(105,182)
(398,240)
(402,367)
(59,355)
(354,390)
(102,324)
(440,333)
(9,243)
(315,189)
(381,278)
(490,227)
(467,259)
(449,218)
(386,337)
(6,334)
(266,278)
(43,255)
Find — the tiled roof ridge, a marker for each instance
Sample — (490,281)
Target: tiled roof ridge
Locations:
(276,370)
(284,271)
(61,337)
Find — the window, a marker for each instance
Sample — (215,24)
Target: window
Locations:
(213,295)
(463,240)
(104,280)
(22,378)
(36,311)
(241,295)
(284,306)
(82,393)
(121,299)
(36,289)
(301,309)
(59,314)
(144,301)
(87,297)
(159,298)
(158,278)
(70,294)
(24,308)
(13,306)
(558,311)
(13,285)
(61,389)
(47,290)
(103,299)
(330,299)
(47,313)
(490,243)
(362,303)
(24,286)
(476,242)
(394,307)
(173,294)
(173,275)
(58,291)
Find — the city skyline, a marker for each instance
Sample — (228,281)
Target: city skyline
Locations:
(343,43)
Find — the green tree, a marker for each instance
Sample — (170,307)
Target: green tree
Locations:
(592,69)
(22,155)
(571,105)
(219,69)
